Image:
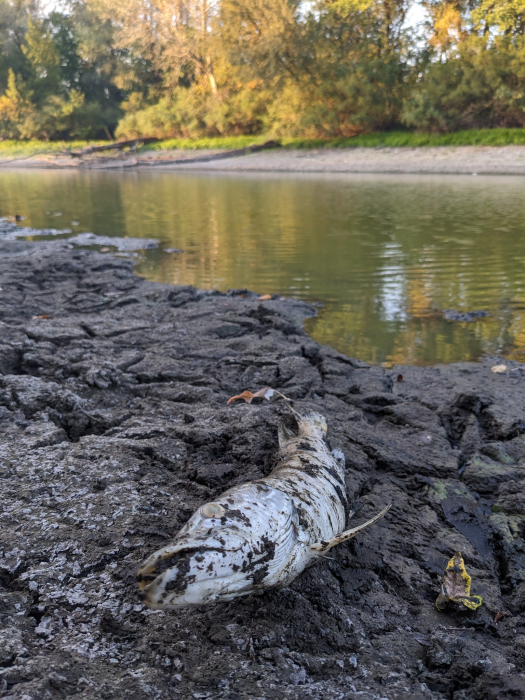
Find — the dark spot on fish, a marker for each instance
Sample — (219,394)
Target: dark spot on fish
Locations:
(269,546)
(165,564)
(210,566)
(266,548)
(335,475)
(221,539)
(312,469)
(344,500)
(302,495)
(178,559)
(259,575)
(342,495)
(235,567)
(235,514)
(180,583)
(181,580)
(300,518)
(305,446)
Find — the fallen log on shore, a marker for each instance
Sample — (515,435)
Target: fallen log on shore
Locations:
(133,144)
(215,156)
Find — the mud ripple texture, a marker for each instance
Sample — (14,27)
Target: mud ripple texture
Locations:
(114,429)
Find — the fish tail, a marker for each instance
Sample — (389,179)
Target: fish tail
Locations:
(310,420)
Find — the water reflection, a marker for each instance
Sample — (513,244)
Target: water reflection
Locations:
(384,254)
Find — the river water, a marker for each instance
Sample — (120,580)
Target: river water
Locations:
(382,255)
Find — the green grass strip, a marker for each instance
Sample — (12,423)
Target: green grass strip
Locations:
(397,139)
(12,149)
(387,139)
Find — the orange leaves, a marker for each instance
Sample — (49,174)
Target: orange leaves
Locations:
(249,396)
(42,316)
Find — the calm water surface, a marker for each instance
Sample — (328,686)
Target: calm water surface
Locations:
(384,255)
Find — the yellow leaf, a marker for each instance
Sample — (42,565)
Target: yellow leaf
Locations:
(455,586)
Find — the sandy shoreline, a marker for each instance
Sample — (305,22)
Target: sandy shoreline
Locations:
(468,160)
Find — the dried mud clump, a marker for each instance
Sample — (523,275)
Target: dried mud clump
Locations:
(114,429)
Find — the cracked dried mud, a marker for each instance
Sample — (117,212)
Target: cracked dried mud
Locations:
(114,428)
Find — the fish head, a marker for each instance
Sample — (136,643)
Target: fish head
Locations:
(228,548)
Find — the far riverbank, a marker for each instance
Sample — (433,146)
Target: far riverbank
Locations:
(475,160)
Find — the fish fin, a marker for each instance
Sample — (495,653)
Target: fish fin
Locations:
(311,419)
(339,457)
(325,545)
(285,434)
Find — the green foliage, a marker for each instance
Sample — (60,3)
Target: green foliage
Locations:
(54,87)
(482,86)
(196,112)
(508,16)
(15,106)
(327,72)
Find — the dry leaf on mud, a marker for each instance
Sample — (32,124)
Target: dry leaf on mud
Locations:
(499,369)
(500,614)
(248,396)
(34,318)
(455,586)
(265,297)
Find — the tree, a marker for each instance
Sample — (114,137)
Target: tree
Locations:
(15,107)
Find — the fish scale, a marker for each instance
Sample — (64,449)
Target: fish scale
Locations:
(258,535)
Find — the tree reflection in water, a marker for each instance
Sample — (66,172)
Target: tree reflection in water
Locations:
(384,254)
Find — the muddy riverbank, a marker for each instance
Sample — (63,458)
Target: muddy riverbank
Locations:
(114,428)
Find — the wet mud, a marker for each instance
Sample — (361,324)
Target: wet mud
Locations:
(114,428)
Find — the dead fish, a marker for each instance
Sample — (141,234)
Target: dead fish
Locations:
(259,535)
